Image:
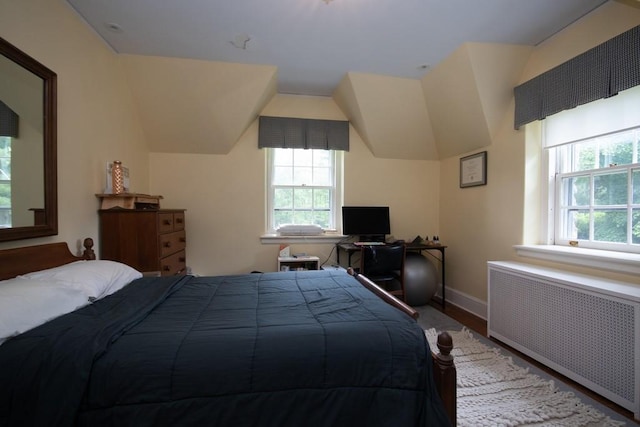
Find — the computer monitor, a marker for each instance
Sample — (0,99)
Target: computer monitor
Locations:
(369,223)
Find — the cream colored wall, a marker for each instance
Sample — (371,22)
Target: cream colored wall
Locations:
(225,194)
(384,109)
(96,119)
(483,223)
(608,21)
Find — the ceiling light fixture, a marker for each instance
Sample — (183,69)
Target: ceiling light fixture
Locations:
(327,1)
(241,40)
(113,27)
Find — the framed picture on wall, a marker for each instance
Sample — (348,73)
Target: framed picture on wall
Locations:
(473,170)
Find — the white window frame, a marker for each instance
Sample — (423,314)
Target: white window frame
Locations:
(3,180)
(622,114)
(556,216)
(337,191)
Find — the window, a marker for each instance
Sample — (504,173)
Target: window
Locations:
(5,181)
(597,192)
(304,187)
(594,179)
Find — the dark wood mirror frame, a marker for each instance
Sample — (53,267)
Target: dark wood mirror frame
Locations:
(49,225)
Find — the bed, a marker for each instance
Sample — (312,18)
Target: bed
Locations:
(310,348)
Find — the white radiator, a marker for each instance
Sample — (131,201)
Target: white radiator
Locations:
(586,328)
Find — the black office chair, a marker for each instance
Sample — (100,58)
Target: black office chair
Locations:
(384,265)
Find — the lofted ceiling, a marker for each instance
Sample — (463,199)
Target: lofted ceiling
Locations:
(314,43)
(417,79)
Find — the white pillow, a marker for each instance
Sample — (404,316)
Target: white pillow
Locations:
(25,304)
(97,278)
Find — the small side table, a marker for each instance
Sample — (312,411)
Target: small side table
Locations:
(298,263)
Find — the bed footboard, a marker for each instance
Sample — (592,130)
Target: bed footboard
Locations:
(444,374)
(444,370)
(386,296)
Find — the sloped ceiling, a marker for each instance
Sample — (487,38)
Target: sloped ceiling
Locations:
(314,43)
(194,106)
(468,94)
(390,115)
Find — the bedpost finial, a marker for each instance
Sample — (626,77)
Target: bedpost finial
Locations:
(445,343)
(88,252)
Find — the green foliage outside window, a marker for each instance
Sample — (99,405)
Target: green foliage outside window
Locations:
(302,187)
(610,188)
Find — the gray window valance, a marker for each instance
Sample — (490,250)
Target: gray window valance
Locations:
(598,73)
(287,132)
(8,121)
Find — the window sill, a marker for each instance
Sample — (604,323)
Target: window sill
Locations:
(620,262)
(327,238)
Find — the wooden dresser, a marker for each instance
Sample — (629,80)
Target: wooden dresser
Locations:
(147,240)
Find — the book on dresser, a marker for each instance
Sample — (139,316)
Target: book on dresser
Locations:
(147,240)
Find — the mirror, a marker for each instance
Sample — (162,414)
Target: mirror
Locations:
(28,154)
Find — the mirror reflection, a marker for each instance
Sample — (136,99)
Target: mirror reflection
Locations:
(21,146)
(28,193)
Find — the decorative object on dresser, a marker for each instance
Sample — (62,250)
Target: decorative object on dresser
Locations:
(117,177)
(147,240)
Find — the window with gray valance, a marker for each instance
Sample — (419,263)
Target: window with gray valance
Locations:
(598,73)
(287,132)
(8,121)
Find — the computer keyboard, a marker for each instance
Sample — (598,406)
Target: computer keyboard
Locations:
(369,243)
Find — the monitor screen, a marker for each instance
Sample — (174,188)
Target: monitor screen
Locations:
(370,221)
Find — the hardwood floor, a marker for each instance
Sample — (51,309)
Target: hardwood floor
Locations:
(479,326)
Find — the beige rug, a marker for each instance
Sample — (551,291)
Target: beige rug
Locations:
(494,391)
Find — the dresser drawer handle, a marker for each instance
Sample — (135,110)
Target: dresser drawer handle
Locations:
(183,240)
(166,268)
(167,244)
(167,222)
(182,259)
(179,220)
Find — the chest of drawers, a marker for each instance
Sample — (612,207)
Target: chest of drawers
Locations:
(145,240)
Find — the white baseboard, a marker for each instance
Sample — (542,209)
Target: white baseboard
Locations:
(466,302)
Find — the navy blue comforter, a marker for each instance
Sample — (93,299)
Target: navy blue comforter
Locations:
(275,349)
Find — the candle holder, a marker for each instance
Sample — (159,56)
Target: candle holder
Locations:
(117,177)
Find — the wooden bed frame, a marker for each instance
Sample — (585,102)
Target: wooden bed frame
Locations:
(14,262)
(444,370)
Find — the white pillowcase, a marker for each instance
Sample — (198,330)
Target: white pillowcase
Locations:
(96,278)
(25,304)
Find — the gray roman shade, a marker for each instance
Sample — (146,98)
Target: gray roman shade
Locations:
(598,73)
(287,132)
(8,121)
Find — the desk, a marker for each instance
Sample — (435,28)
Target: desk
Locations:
(350,249)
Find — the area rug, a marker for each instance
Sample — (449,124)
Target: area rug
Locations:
(494,391)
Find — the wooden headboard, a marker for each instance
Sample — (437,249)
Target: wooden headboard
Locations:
(14,262)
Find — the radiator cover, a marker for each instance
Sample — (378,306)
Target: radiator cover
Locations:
(587,329)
